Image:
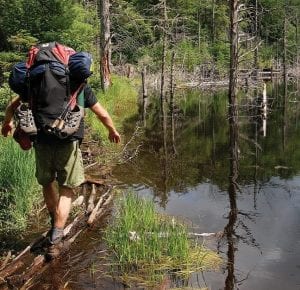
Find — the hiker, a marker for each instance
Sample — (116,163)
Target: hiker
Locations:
(59,167)
(61,161)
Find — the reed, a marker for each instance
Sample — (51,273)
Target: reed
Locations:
(146,245)
(18,186)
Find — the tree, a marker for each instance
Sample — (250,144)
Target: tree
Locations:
(105,40)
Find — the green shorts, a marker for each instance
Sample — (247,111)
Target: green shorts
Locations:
(61,161)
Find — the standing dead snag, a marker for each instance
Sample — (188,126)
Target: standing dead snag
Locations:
(105,37)
(145,95)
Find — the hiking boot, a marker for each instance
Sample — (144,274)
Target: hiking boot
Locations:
(55,243)
(71,122)
(54,251)
(26,120)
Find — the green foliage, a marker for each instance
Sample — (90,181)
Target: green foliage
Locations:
(22,40)
(147,245)
(83,31)
(131,31)
(5,96)
(18,191)
(188,54)
(120,100)
(197,30)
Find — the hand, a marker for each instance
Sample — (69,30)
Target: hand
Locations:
(6,129)
(114,137)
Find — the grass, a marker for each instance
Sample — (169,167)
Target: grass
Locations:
(120,100)
(18,186)
(147,246)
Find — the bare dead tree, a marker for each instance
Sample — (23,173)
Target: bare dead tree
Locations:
(233,127)
(105,41)
(164,50)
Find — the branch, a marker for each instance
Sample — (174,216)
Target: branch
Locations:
(251,50)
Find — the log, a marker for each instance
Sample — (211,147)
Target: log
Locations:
(91,165)
(92,180)
(96,209)
(10,269)
(39,263)
(78,201)
(103,208)
(91,200)
(3,265)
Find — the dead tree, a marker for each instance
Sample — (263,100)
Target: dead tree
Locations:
(145,95)
(105,37)
(233,127)
(233,74)
(164,52)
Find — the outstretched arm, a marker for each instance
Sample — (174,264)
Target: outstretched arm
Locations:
(8,118)
(106,120)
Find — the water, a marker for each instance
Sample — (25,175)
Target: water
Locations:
(188,176)
(186,170)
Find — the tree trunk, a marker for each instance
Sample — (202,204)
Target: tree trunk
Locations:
(233,60)
(199,31)
(145,95)
(164,52)
(213,28)
(105,52)
(233,128)
(256,37)
(172,88)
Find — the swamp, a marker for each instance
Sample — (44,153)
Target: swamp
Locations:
(203,190)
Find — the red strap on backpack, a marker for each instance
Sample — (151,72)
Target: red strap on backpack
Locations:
(61,52)
(31,56)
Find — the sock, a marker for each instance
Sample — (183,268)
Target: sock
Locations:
(56,235)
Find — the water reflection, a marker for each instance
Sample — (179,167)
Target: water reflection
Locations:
(229,230)
(258,208)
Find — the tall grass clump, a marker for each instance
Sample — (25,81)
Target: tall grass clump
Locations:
(120,100)
(146,246)
(18,186)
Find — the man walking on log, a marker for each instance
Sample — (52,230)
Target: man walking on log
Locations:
(60,162)
(59,166)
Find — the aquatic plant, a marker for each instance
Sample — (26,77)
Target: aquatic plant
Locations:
(147,246)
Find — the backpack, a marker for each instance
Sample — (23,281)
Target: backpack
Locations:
(50,82)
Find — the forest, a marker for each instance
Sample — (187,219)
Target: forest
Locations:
(205,95)
(197,31)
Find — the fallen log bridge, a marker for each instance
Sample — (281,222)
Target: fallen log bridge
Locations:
(19,271)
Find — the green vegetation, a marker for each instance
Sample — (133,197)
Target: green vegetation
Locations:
(147,246)
(120,100)
(196,30)
(19,190)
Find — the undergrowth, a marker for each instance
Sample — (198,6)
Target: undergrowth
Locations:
(147,246)
(18,186)
(120,100)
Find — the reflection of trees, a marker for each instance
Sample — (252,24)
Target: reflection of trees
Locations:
(201,142)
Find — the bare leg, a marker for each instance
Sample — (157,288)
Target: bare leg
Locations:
(63,206)
(51,197)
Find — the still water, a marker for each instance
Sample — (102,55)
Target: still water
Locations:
(186,167)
